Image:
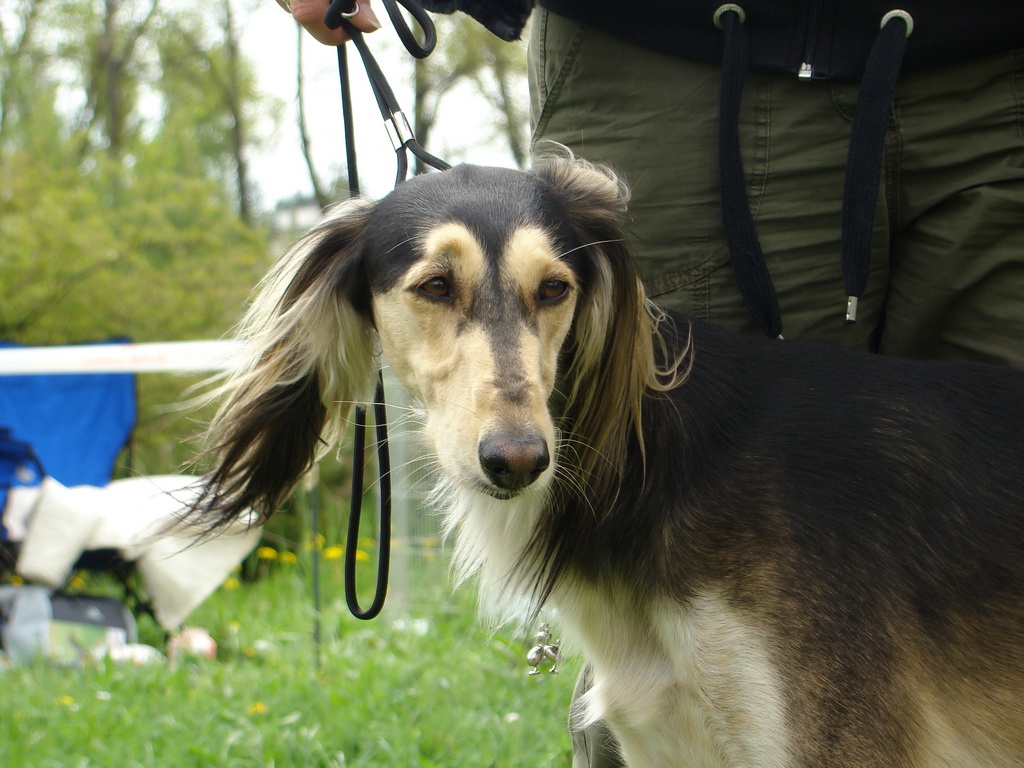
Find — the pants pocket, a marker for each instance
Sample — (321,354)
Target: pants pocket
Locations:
(554,47)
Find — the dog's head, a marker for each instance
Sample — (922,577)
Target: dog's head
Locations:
(506,302)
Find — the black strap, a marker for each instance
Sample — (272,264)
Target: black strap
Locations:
(341,10)
(402,137)
(348,122)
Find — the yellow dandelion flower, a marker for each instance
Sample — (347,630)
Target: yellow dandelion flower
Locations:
(287,558)
(266,553)
(257,708)
(231,583)
(333,553)
(361,556)
(64,701)
(249,653)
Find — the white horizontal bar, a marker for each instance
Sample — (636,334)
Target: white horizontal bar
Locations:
(120,358)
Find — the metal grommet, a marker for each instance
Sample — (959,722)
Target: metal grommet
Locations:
(899,14)
(355,12)
(725,9)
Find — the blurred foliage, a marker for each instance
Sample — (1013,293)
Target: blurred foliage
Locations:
(93,254)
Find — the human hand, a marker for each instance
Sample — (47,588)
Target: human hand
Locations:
(310,15)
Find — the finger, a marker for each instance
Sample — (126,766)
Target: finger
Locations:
(310,14)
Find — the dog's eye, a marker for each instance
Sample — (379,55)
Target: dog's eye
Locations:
(436,288)
(552,290)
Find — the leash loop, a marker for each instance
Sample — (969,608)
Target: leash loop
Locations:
(405,34)
(342,10)
(356,506)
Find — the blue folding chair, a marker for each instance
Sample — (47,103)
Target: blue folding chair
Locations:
(76,423)
(74,426)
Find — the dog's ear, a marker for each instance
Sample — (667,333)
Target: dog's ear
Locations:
(308,345)
(611,362)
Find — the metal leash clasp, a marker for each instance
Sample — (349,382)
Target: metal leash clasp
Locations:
(399,130)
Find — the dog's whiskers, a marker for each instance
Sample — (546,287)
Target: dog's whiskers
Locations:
(464,408)
(398,245)
(587,245)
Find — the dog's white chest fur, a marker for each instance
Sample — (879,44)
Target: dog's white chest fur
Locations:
(683,686)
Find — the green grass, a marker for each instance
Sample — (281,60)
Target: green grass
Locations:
(436,690)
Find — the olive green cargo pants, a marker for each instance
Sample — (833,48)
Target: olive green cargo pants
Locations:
(947,274)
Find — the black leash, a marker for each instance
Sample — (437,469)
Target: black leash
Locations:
(395,122)
(404,140)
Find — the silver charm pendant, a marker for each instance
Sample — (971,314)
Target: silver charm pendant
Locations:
(544,651)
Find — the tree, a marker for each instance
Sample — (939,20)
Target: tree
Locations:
(494,69)
(27,95)
(217,71)
(320,193)
(111,71)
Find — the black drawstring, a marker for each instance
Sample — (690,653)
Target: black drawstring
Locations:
(403,140)
(867,147)
(755,283)
(864,166)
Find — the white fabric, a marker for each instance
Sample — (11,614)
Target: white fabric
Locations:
(141,518)
(21,500)
(58,530)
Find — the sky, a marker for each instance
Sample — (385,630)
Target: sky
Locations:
(279,170)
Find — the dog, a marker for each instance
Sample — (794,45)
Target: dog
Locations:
(770,553)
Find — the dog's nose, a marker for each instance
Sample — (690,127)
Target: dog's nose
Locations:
(513,462)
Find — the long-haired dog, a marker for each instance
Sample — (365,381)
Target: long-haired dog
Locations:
(771,553)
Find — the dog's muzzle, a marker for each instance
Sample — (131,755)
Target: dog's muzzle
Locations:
(512,462)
